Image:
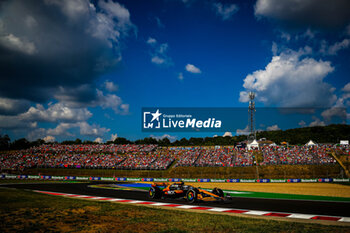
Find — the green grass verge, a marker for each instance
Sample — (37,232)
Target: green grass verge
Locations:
(287,196)
(24,211)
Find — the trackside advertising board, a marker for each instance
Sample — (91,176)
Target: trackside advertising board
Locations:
(137,179)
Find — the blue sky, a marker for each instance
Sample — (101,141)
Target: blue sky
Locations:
(81,69)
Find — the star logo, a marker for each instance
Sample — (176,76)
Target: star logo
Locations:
(156,115)
(151,120)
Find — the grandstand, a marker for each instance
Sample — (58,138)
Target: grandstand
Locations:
(152,157)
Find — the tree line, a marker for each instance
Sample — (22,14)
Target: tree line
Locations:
(22,143)
(319,134)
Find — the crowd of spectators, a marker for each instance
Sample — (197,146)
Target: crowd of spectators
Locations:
(158,158)
(71,156)
(216,157)
(243,158)
(111,148)
(142,160)
(297,155)
(342,150)
(187,158)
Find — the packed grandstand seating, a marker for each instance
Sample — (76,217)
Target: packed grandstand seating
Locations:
(342,150)
(297,155)
(111,148)
(159,158)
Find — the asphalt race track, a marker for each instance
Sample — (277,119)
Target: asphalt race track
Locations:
(290,206)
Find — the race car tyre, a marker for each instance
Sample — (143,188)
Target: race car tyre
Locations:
(191,195)
(154,193)
(218,192)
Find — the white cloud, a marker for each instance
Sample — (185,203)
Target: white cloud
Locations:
(114,136)
(162,48)
(76,97)
(16,122)
(346,88)
(316,122)
(56,112)
(302,123)
(125,109)
(29,33)
(306,13)
(151,40)
(244,131)
(111,101)
(170,137)
(12,106)
(31,22)
(274,48)
(74,9)
(309,34)
(110,86)
(67,118)
(180,76)
(273,128)
(290,80)
(64,130)
(333,49)
(227,134)
(13,42)
(109,22)
(225,11)
(37,133)
(86,96)
(159,23)
(339,112)
(326,49)
(98,140)
(115,10)
(40,37)
(192,69)
(159,54)
(60,130)
(49,138)
(286,36)
(104,26)
(243,96)
(158,60)
(342,100)
(91,130)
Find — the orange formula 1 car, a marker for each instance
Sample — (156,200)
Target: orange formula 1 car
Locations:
(178,190)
